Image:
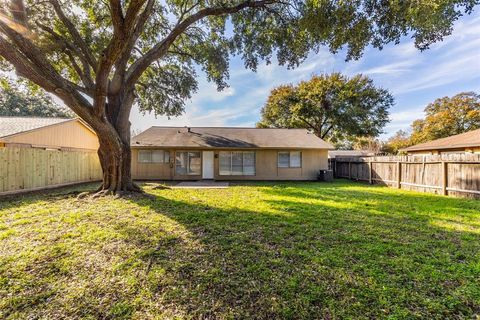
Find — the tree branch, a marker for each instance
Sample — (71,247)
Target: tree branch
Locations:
(112,53)
(77,38)
(84,74)
(19,13)
(121,63)
(117,15)
(327,131)
(26,69)
(88,90)
(26,57)
(311,126)
(30,51)
(160,49)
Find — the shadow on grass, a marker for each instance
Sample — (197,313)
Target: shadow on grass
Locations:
(263,251)
(312,256)
(31,197)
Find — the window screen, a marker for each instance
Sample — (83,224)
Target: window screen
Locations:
(225,163)
(160,156)
(249,163)
(290,159)
(153,156)
(295,159)
(237,163)
(283,159)
(144,156)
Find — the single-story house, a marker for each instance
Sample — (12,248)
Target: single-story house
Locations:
(332,154)
(47,133)
(468,142)
(39,153)
(181,153)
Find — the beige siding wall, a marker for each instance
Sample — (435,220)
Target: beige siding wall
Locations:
(161,171)
(72,134)
(266,167)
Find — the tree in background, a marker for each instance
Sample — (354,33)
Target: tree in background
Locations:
(333,106)
(444,117)
(369,144)
(447,117)
(21,101)
(401,139)
(101,57)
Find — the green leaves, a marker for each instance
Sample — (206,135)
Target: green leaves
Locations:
(260,31)
(448,116)
(445,117)
(20,100)
(165,89)
(333,106)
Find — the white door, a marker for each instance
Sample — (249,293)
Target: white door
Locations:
(207,165)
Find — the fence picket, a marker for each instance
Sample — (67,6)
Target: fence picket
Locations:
(35,168)
(456,175)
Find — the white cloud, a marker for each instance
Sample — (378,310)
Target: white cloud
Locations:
(401,120)
(446,72)
(395,68)
(207,92)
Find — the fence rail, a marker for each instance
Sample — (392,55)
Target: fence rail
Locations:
(34,168)
(454,174)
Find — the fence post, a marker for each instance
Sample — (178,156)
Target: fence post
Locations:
(444,178)
(369,171)
(399,175)
(335,168)
(349,170)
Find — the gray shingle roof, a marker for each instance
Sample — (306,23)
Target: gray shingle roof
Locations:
(13,125)
(221,137)
(463,140)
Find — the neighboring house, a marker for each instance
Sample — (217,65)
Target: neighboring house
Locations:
(332,154)
(47,133)
(172,153)
(39,153)
(468,142)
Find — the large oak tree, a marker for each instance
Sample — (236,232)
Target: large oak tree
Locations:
(447,116)
(334,107)
(101,57)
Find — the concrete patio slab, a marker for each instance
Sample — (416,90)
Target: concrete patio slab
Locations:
(202,184)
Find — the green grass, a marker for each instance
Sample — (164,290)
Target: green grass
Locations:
(293,250)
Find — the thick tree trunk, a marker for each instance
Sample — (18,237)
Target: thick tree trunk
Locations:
(114,152)
(116,166)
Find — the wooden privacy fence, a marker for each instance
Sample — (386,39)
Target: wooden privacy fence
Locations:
(35,169)
(454,174)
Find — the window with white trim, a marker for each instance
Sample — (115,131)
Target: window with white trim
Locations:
(153,156)
(237,163)
(289,159)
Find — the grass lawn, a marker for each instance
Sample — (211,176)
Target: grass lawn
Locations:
(293,250)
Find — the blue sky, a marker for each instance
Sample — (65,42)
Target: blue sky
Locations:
(415,78)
